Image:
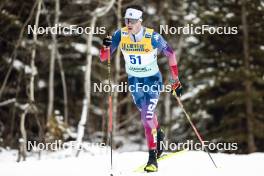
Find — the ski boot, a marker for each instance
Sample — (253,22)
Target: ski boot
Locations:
(152,165)
(160,138)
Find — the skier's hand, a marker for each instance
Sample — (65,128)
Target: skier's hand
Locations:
(107,41)
(176,87)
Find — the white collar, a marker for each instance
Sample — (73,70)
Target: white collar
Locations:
(139,35)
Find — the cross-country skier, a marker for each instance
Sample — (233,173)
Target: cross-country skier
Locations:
(140,47)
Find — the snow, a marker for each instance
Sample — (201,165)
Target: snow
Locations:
(193,92)
(151,10)
(176,111)
(202,113)
(28,69)
(17,22)
(42,84)
(262,3)
(97,111)
(175,126)
(79,47)
(97,162)
(192,39)
(208,13)
(174,17)
(82,2)
(82,48)
(216,9)
(190,16)
(18,64)
(230,15)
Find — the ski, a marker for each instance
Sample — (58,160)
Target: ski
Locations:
(164,156)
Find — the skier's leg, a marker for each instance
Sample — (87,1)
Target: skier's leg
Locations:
(137,93)
(150,121)
(148,115)
(156,121)
(146,103)
(160,136)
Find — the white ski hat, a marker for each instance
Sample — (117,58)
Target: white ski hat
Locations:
(133,13)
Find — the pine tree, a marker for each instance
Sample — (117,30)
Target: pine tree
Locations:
(220,64)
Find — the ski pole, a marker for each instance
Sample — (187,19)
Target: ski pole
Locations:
(110,118)
(193,126)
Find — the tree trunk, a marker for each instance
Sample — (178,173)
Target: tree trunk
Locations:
(14,53)
(33,55)
(33,73)
(87,87)
(23,141)
(87,80)
(248,83)
(29,108)
(117,71)
(64,89)
(54,50)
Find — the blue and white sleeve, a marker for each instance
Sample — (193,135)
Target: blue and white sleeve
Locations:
(116,38)
(160,43)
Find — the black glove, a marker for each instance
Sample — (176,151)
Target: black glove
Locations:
(107,41)
(177,87)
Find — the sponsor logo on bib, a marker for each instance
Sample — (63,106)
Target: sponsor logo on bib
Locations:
(133,47)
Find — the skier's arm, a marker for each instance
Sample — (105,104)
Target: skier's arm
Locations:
(114,45)
(162,45)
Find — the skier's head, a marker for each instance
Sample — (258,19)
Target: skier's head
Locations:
(133,18)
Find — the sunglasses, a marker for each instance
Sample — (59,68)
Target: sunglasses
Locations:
(131,21)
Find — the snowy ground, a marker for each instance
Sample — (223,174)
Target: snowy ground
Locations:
(97,162)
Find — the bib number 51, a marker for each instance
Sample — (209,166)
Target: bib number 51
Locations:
(135,59)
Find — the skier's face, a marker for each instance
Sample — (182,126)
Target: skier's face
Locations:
(133,25)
